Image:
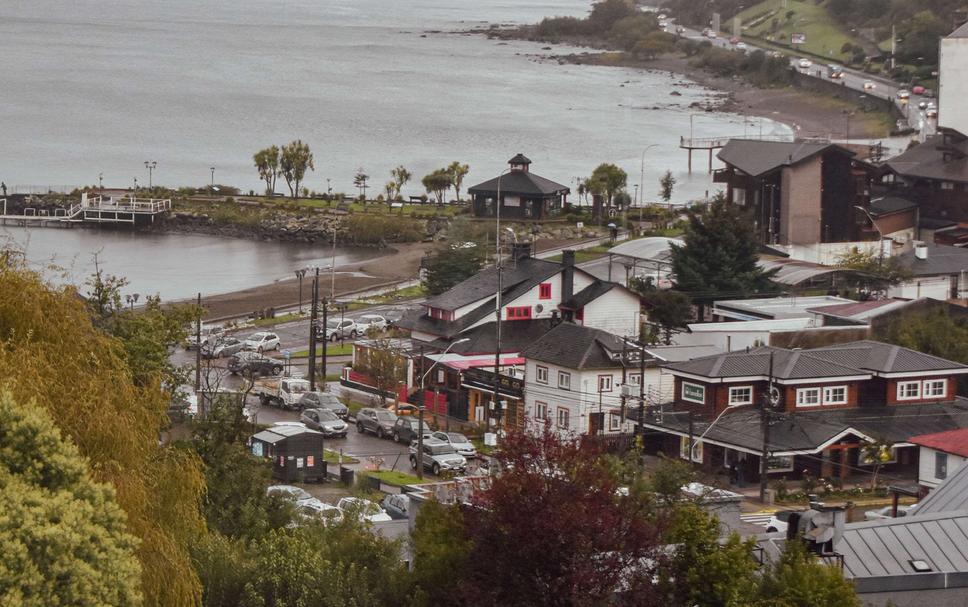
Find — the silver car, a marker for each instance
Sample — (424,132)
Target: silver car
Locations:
(324,400)
(377,421)
(370,321)
(459,442)
(341,329)
(438,456)
(325,421)
(223,347)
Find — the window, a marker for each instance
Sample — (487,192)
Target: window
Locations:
(947,185)
(694,393)
(696,449)
(835,395)
(614,422)
(564,380)
(780,463)
(635,380)
(563,418)
(604,383)
(519,313)
(808,397)
(940,465)
(908,390)
(935,388)
(540,410)
(541,374)
(544,290)
(743,395)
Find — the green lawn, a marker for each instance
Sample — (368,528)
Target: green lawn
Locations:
(393,477)
(331,350)
(332,457)
(824,37)
(278,320)
(405,293)
(371,208)
(589,254)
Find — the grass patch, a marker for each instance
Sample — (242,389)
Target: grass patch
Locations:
(393,477)
(589,254)
(354,406)
(768,21)
(332,457)
(331,350)
(482,449)
(410,292)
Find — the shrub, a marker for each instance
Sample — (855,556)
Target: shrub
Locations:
(374,229)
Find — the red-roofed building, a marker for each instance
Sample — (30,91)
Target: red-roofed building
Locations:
(942,453)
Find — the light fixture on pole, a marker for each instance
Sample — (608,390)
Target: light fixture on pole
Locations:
(300,273)
(642,175)
(213,177)
(150,165)
(422,407)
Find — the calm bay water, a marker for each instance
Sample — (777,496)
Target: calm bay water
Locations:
(100,86)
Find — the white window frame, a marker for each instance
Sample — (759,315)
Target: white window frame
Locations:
(614,422)
(634,379)
(934,382)
(692,400)
(901,385)
(788,468)
(827,400)
(540,410)
(696,455)
(605,383)
(538,374)
(566,384)
(801,397)
(745,401)
(567,415)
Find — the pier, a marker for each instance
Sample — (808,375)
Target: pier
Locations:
(91,210)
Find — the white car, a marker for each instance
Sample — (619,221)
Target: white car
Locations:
(363,508)
(903,94)
(321,511)
(885,512)
(779,521)
(209,334)
(931,112)
(290,492)
(805,63)
(741,46)
(371,321)
(262,341)
(869,85)
(459,442)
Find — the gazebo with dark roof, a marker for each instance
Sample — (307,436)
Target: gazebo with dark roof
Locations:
(523,194)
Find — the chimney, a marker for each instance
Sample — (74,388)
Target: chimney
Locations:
(920,250)
(521,250)
(568,276)
(820,528)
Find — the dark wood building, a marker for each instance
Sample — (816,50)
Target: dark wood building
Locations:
(296,452)
(933,174)
(522,194)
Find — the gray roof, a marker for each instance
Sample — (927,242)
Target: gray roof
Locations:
(926,161)
(885,205)
(483,338)
(942,260)
(756,158)
(522,273)
(589,294)
(576,347)
(796,271)
(681,353)
(520,182)
(274,434)
(951,494)
(961,32)
(884,358)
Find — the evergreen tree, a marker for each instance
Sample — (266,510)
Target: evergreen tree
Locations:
(450,265)
(719,257)
(799,579)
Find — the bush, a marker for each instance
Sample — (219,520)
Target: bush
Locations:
(374,229)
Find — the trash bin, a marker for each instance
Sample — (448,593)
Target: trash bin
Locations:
(346,475)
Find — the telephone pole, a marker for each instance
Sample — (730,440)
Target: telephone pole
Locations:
(312,332)
(198,347)
(770,400)
(325,303)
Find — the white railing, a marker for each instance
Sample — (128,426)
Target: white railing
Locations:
(130,204)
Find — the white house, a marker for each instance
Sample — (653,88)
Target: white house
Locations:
(941,454)
(952,84)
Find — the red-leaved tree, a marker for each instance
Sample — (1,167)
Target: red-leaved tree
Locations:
(556,529)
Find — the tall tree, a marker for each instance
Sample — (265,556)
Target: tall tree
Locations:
(295,161)
(666,185)
(449,265)
(267,163)
(437,183)
(607,180)
(64,538)
(441,550)
(799,579)
(359,180)
(669,311)
(719,256)
(457,172)
(874,273)
(401,176)
(384,365)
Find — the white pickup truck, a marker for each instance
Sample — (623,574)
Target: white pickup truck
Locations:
(281,392)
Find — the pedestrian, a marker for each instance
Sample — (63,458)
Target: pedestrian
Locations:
(733,474)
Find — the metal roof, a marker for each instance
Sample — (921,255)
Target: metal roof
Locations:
(652,248)
(756,158)
(794,272)
(950,495)
(775,308)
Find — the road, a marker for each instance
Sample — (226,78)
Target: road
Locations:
(874,86)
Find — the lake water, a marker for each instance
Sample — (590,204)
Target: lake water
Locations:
(100,86)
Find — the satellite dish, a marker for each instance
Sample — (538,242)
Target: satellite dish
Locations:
(539,309)
(774,395)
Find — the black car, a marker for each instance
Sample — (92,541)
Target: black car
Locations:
(324,400)
(405,429)
(253,363)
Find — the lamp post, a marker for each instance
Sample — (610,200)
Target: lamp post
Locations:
(880,235)
(420,422)
(100,181)
(300,273)
(150,165)
(642,167)
(213,177)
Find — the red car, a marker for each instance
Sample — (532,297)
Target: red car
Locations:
(734,40)
(917,90)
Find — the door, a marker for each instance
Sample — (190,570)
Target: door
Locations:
(595,423)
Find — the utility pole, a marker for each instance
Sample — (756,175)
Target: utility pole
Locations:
(692,435)
(325,303)
(497,305)
(198,347)
(312,332)
(641,429)
(769,401)
(420,425)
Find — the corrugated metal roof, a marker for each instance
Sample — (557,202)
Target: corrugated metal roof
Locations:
(653,248)
(950,495)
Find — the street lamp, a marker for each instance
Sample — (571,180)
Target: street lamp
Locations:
(300,273)
(213,177)
(642,176)
(420,409)
(150,165)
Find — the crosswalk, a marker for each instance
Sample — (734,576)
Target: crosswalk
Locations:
(756,518)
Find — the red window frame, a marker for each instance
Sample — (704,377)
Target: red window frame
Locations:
(544,290)
(519,313)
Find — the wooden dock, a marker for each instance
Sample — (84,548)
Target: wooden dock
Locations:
(92,210)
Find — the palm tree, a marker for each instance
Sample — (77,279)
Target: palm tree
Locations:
(400,176)
(457,172)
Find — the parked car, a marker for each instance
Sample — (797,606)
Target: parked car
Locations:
(363,508)
(325,421)
(741,46)
(922,105)
(262,341)
(903,94)
(324,400)
(918,90)
(929,93)
(251,363)
(378,421)
(885,512)
(321,511)
(397,505)
(779,521)
(805,63)
(734,40)
(459,442)
(290,492)
(405,429)
(226,346)
(869,85)
(341,329)
(931,112)
(209,333)
(437,456)
(371,321)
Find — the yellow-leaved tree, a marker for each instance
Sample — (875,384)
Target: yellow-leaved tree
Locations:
(52,354)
